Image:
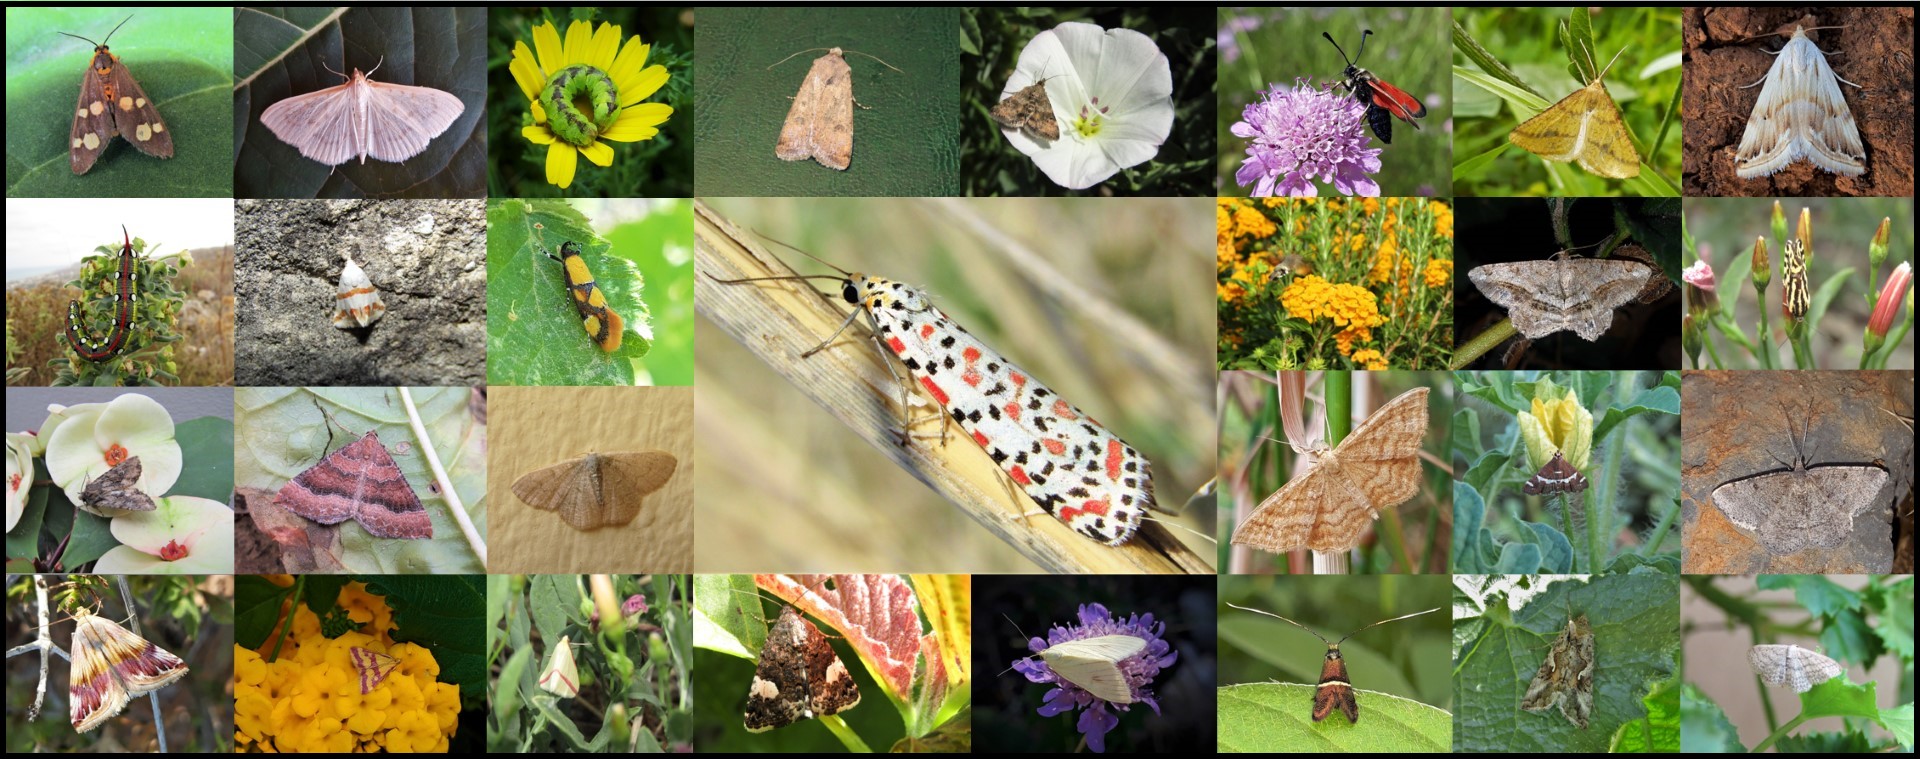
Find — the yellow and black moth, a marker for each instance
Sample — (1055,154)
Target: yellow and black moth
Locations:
(602,324)
(1794,300)
(113,105)
(124,292)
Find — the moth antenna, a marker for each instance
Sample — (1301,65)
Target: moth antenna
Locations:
(1336,46)
(323,64)
(1297,624)
(1603,72)
(816,259)
(877,58)
(1201,535)
(1384,621)
(791,57)
(376,65)
(116,27)
(80,38)
(1363,45)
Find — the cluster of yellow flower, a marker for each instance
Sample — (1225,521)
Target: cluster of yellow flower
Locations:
(309,699)
(1439,272)
(1370,359)
(1350,307)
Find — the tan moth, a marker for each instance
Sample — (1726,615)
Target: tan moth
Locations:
(1563,293)
(1801,113)
(819,124)
(599,489)
(362,117)
(1329,508)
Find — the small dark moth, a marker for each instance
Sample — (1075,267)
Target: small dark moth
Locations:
(118,488)
(1557,476)
(1334,690)
(113,105)
(1566,677)
(1029,109)
(799,676)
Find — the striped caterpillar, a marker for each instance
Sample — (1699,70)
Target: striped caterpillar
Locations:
(77,335)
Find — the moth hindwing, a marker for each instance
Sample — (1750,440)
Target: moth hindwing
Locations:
(113,105)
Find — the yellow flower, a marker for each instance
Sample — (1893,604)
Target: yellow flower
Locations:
(1370,359)
(1250,222)
(598,82)
(1350,307)
(1442,219)
(1438,273)
(1557,423)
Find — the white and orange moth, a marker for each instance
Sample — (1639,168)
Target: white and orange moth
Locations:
(111,665)
(391,122)
(561,677)
(357,304)
(1801,113)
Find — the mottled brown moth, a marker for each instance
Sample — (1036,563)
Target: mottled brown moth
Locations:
(113,105)
(1334,690)
(1565,679)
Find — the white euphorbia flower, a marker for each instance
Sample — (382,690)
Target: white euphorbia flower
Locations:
(19,475)
(1112,93)
(94,437)
(182,535)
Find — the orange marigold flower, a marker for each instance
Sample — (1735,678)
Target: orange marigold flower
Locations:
(1250,222)
(1442,219)
(1370,359)
(1438,273)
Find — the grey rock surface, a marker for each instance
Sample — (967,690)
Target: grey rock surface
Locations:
(427,257)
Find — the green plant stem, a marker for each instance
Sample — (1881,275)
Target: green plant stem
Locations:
(1479,344)
(1339,408)
(1802,351)
(1895,338)
(1766,355)
(848,738)
(1780,733)
(1660,531)
(1713,355)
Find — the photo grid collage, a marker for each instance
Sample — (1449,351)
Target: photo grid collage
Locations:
(640,379)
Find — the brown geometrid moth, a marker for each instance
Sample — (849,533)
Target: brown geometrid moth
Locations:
(113,105)
(1334,691)
(362,117)
(819,124)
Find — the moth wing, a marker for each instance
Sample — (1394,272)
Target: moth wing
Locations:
(357,302)
(1832,140)
(1283,521)
(1506,285)
(1584,127)
(568,488)
(141,124)
(561,678)
(95,690)
(403,119)
(1769,662)
(87,123)
(631,476)
(1854,486)
(319,124)
(1094,664)
(820,123)
(1742,503)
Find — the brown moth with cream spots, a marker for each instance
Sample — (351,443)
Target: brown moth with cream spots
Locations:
(113,105)
(799,677)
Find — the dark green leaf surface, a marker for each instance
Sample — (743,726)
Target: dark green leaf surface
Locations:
(206,448)
(182,58)
(1659,731)
(285,52)
(1635,620)
(1270,717)
(1704,728)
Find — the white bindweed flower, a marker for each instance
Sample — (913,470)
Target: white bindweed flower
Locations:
(1112,93)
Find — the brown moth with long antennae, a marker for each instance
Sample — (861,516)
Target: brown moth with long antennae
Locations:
(362,117)
(113,105)
(1334,690)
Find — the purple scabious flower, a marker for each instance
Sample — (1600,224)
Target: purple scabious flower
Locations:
(1305,133)
(1139,669)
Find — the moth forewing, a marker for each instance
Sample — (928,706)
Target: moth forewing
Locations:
(1584,127)
(1792,666)
(1094,664)
(362,117)
(819,124)
(1329,507)
(1565,677)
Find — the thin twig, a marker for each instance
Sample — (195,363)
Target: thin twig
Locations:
(451,496)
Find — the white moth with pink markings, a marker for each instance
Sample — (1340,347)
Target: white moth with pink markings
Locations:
(1069,464)
(357,303)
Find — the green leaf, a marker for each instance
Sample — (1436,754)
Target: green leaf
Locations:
(728,616)
(550,597)
(286,52)
(1579,37)
(1659,400)
(534,333)
(513,674)
(1846,637)
(1468,512)
(1821,596)
(1518,559)
(283,431)
(1468,46)
(1839,697)
(183,60)
(1895,622)
(1265,717)
(206,453)
(438,612)
(256,608)
(1556,552)
(1704,728)
(558,719)
(1899,722)
(24,540)
(1659,731)
(970,39)
(1825,744)
(92,538)
(1635,620)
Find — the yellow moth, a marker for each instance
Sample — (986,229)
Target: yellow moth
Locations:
(1584,127)
(1094,664)
(1800,114)
(361,118)
(561,678)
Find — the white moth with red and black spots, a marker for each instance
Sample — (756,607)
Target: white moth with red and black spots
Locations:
(1072,466)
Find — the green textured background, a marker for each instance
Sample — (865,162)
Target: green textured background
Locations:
(906,145)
